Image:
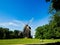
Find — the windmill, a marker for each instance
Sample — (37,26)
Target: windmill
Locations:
(27,30)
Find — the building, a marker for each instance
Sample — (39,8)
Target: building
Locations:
(27,32)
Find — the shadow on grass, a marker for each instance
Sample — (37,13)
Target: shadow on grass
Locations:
(56,43)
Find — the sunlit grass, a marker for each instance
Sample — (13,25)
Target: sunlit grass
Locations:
(19,41)
(27,41)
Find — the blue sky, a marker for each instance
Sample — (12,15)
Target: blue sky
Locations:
(14,14)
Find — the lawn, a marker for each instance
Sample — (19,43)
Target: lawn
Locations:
(27,41)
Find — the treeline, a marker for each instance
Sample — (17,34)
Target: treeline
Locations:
(51,30)
(5,33)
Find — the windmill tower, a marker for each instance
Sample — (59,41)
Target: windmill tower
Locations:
(27,31)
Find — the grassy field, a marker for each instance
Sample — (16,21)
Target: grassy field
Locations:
(27,41)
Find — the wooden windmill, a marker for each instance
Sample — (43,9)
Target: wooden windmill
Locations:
(27,30)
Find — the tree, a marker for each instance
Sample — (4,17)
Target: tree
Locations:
(39,32)
(55,25)
(4,33)
(1,33)
(16,33)
(52,30)
(42,32)
(55,4)
(20,34)
(11,34)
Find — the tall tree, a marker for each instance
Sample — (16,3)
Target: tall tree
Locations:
(16,32)
(55,4)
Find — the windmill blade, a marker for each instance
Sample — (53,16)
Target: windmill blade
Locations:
(30,21)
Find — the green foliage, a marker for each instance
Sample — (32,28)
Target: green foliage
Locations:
(16,33)
(5,33)
(52,30)
(55,4)
(43,32)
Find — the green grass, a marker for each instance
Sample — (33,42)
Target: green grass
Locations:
(27,41)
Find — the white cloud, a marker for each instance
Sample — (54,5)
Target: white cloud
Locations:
(8,24)
(19,25)
(19,22)
(15,24)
